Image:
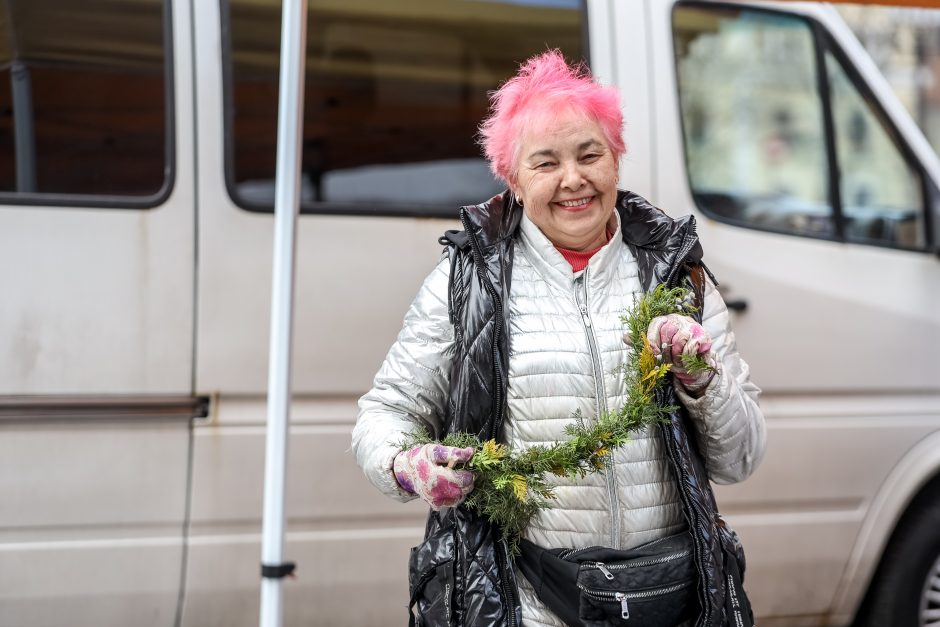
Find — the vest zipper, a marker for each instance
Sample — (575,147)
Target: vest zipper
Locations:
(581,297)
(480,264)
(697,524)
(695,520)
(502,552)
(503,555)
(688,241)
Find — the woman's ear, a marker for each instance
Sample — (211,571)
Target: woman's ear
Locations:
(514,190)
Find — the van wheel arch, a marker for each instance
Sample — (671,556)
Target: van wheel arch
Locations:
(896,592)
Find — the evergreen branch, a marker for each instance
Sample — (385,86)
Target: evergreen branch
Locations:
(512,486)
(695,364)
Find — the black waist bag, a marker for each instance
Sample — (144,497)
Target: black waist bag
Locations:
(653,585)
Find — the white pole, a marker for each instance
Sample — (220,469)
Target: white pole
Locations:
(286,208)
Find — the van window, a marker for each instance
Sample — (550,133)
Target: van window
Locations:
(881,193)
(904,42)
(766,139)
(83,102)
(394,94)
(753,119)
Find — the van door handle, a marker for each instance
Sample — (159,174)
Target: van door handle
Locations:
(738,305)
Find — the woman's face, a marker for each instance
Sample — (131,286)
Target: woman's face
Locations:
(567,182)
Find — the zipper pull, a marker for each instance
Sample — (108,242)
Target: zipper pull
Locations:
(624,609)
(584,314)
(603,568)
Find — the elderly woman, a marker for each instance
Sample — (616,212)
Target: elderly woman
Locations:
(516,331)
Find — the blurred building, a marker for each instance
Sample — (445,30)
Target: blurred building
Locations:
(905,44)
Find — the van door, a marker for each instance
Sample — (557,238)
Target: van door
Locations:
(96,263)
(814,193)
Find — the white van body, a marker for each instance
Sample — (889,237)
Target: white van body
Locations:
(124,501)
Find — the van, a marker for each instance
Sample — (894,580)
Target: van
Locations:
(136,183)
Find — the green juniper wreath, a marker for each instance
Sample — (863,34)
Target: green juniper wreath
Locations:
(511,486)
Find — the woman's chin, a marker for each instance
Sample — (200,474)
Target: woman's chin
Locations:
(580,240)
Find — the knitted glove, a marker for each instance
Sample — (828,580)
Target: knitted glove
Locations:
(428,471)
(671,336)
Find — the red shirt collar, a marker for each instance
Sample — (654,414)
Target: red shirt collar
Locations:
(578,259)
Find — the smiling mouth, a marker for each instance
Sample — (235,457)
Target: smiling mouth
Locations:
(577,203)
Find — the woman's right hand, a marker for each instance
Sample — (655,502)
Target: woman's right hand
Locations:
(675,335)
(428,471)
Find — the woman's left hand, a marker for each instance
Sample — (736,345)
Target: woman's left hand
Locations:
(674,335)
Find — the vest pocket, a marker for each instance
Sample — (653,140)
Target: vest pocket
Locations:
(431,580)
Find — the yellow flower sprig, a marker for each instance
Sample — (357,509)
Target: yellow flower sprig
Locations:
(512,486)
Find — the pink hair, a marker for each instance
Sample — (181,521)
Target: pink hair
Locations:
(544,89)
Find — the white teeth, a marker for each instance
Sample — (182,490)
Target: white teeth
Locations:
(574,203)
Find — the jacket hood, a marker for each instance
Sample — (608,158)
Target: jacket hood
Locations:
(666,239)
(646,225)
(493,220)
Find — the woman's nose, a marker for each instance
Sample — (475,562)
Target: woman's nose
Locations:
(572,177)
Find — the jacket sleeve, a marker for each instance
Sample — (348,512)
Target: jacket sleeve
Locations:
(410,389)
(730,424)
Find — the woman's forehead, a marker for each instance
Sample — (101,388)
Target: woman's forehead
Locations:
(567,133)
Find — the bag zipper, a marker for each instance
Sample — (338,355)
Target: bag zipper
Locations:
(569,552)
(625,597)
(607,568)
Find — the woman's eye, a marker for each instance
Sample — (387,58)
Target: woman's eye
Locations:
(544,165)
(590,157)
